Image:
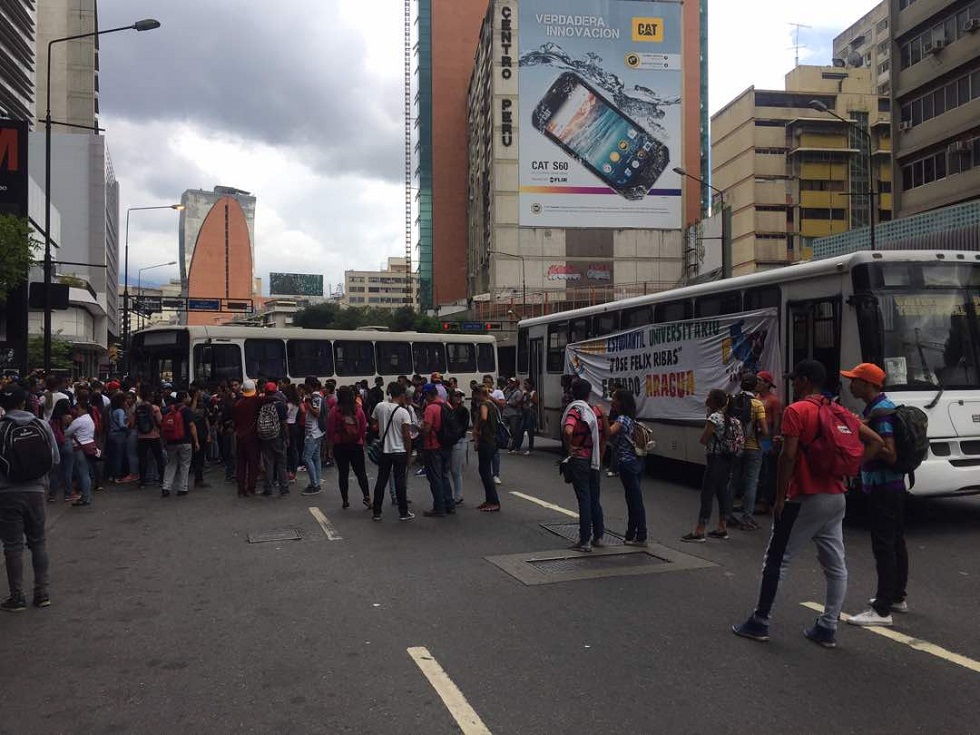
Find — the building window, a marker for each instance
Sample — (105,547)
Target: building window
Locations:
(882,26)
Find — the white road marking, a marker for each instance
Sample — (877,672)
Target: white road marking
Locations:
(545,504)
(913,643)
(326,525)
(466,717)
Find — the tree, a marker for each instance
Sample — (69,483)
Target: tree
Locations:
(61,352)
(17,245)
(331,316)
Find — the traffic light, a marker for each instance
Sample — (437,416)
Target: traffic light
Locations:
(450,326)
(493,326)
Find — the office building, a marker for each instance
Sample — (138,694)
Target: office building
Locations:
(791,172)
(74,64)
(936,99)
(382,289)
(17,60)
(867,44)
(217,252)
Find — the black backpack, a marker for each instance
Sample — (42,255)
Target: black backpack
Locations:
(911,426)
(25,451)
(144,418)
(449,431)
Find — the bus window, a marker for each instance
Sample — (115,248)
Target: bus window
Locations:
(462,357)
(638,316)
(214,363)
(578,329)
(265,358)
(603,324)
(718,304)
(763,298)
(430,357)
(557,339)
(394,358)
(309,357)
(673,311)
(354,357)
(522,349)
(485,361)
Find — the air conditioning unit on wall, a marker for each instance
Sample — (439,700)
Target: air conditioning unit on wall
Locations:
(905,125)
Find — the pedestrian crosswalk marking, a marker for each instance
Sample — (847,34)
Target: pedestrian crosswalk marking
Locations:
(914,643)
(545,504)
(326,525)
(466,717)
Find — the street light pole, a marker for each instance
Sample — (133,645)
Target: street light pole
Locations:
(147,24)
(872,206)
(726,223)
(139,284)
(126,330)
(523,279)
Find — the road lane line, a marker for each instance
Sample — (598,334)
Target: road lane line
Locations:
(326,525)
(545,504)
(913,643)
(466,717)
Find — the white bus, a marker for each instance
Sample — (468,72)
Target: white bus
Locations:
(915,312)
(211,354)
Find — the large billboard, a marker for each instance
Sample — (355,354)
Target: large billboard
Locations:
(295,284)
(600,113)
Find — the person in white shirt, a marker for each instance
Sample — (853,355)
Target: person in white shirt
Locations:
(51,396)
(393,422)
(81,432)
(498,399)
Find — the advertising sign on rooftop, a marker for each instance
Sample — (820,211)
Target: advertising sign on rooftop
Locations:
(600,113)
(295,284)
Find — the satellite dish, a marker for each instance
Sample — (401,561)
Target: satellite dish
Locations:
(855,59)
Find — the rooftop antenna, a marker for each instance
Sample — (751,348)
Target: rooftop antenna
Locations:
(796,40)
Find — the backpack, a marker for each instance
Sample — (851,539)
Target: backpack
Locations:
(144,418)
(837,450)
(267,425)
(325,407)
(449,431)
(911,436)
(25,450)
(502,431)
(732,441)
(740,406)
(642,439)
(349,431)
(172,427)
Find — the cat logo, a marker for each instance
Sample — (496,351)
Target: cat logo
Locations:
(648,29)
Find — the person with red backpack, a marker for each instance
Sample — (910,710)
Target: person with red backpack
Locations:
(180,434)
(823,443)
(346,428)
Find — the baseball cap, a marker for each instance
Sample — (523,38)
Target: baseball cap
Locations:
(113,385)
(12,396)
(868,372)
(271,387)
(248,388)
(429,388)
(810,370)
(435,376)
(766,376)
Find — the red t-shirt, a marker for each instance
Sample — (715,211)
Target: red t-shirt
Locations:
(800,420)
(433,417)
(580,445)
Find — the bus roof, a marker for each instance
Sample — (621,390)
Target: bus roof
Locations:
(238,332)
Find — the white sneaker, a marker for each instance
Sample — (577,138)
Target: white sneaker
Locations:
(496,480)
(899,607)
(527,452)
(870,617)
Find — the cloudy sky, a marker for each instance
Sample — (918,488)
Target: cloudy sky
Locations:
(300,102)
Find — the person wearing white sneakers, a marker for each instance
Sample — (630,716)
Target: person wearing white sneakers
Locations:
(884,487)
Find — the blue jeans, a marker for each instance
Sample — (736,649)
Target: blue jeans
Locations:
(311,458)
(745,477)
(585,482)
(456,468)
(495,462)
(116,449)
(530,427)
(132,456)
(636,524)
(437,463)
(61,476)
(83,475)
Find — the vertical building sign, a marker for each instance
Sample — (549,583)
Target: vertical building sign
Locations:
(600,113)
(13,201)
(505,89)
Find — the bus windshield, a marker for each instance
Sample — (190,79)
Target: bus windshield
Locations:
(920,322)
(161,357)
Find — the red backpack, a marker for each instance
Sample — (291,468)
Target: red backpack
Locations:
(836,451)
(172,427)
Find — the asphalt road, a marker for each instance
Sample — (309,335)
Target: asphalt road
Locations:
(166,620)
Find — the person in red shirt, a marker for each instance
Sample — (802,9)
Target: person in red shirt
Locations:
(346,428)
(809,506)
(245,413)
(437,458)
(766,391)
(585,433)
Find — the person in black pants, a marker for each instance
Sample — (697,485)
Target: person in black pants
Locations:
(716,439)
(346,429)
(485,440)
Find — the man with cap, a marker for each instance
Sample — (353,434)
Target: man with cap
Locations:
(766,392)
(274,449)
(22,509)
(885,490)
(245,414)
(436,380)
(809,506)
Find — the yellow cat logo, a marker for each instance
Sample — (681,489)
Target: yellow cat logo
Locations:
(648,29)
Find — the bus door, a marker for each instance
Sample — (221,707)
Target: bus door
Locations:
(535,371)
(813,333)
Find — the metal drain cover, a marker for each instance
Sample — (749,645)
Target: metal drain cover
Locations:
(588,563)
(570,531)
(284,534)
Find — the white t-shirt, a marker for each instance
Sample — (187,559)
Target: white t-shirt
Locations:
(82,430)
(55,397)
(313,430)
(397,416)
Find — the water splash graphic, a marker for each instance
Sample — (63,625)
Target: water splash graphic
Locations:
(641,103)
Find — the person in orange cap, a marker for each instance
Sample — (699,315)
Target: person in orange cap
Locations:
(885,490)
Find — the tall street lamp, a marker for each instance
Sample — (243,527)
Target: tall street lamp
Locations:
(523,278)
(147,24)
(126,330)
(139,284)
(726,223)
(821,107)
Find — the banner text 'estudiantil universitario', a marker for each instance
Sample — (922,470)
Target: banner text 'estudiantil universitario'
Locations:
(670,367)
(600,113)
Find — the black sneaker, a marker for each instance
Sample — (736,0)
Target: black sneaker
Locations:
(42,600)
(164,493)
(201,484)
(598,543)
(580,547)
(312,490)
(635,542)
(181,493)
(284,493)
(14,604)
(267,493)
(433,514)
(821,636)
(753,630)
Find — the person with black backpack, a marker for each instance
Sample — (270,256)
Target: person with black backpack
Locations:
(438,423)
(28,451)
(903,430)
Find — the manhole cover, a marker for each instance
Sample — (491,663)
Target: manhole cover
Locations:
(285,534)
(570,531)
(589,563)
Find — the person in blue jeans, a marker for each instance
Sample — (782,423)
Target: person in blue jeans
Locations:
(584,430)
(117,439)
(630,465)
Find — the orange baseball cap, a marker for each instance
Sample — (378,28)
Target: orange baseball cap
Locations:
(868,372)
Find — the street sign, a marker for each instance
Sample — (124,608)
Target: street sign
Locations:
(203,304)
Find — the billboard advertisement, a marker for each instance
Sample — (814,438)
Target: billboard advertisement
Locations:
(295,284)
(600,113)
